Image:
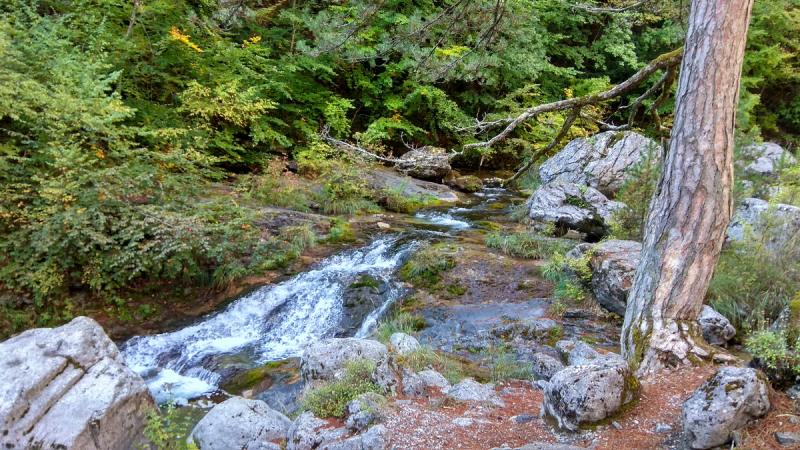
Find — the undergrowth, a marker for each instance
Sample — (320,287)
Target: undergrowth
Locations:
(329,398)
(525,245)
(426,264)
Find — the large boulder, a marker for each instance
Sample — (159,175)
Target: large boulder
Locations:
(472,391)
(362,411)
(404,343)
(589,393)
(326,360)
(773,225)
(544,366)
(768,159)
(717,330)
(570,206)
(599,161)
(612,265)
(68,387)
(240,423)
(426,163)
(731,399)
(575,353)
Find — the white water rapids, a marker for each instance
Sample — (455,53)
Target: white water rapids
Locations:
(270,324)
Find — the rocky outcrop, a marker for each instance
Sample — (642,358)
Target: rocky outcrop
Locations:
(381,179)
(373,439)
(363,411)
(731,399)
(433,378)
(327,358)
(364,295)
(613,265)
(414,386)
(575,353)
(465,183)
(68,387)
(767,158)
(240,423)
(470,390)
(589,393)
(717,330)
(308,432)
(404,343)
(427,163)
(599,161)
(773,225)
(544,366)
(570,206)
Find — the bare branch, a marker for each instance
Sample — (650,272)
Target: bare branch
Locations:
(665,61)
(324,134)
(669,81)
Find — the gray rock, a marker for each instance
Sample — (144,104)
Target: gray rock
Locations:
(613,265)
(731,399)
(240,423)
(578,352)
(325,360)
(600,161)
(467,183)
(527,329)
(773,225)
(308,432)
(663,428)
(68,387)
(717,330)
(433,378)
(372,439)
(470,390)
(589,393)
(363,411)
(413,385)
(381,179)
(570,206)
(768,159)
(404,343)
(787,438)
(544,366)
(524,418)
(427,163)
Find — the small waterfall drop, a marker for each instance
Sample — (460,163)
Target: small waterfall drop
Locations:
(270,324)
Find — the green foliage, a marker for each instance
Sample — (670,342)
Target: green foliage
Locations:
(340,231)
(453,368)
(166,432)
(395,199)
(636,192)
(329,398)
(426,264)
(404,322)
(571,276)
(525,245)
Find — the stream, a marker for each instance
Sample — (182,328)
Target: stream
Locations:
(274,323)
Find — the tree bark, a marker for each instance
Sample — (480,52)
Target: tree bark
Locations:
(692,204)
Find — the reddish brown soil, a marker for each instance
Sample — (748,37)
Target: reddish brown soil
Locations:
(428,423)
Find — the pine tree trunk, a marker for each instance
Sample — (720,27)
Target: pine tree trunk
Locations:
(692,204)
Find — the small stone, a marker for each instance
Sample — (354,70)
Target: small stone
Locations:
(663,428)
(524,418)
(616,425)
(787,438)
(384,225)
(793,420)
(462,421)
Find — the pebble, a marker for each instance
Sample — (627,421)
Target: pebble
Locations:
(663,428)
(787,438)
(523,418)
(793,420)
(616,425)
(384,225)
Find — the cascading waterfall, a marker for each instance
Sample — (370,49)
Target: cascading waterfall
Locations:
(272,323)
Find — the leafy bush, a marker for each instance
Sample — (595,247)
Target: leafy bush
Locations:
(525,245)
(329,398)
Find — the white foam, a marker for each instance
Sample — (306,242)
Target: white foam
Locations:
(443,219)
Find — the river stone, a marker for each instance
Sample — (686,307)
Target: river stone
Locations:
(717,330)
(404,343)
(433,378)
(787,438)
(544,366)
(308,432)
(731,399)
(382,179)
(613,267)
(240,423)
(570,206)
(774,225)
(68,387)
(326,359)
(363,296)
(413,385)
(372,439)
(768,158)
(427,163)
(578,352)
(470,390)
(467,183)
(600,161)
(589,393)
(363,411)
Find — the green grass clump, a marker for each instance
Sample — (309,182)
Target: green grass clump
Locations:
(329,399)
(525,245)
(452,367)
(401,323)
(426,264)
(395,199)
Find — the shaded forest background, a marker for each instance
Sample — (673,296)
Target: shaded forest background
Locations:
(118,118)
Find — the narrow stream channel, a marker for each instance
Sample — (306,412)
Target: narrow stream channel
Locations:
(276,322)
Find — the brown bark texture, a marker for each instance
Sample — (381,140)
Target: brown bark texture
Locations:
(692,203)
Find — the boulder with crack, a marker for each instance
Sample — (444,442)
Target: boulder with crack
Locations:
(240,423)
(589,393)
(570,206)
(600,161)
(731,399)
(426,163)
(68,387)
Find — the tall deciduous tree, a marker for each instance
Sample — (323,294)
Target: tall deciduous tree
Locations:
(692,203)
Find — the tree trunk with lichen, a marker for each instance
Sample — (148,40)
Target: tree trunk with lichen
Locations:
(692,204)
